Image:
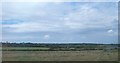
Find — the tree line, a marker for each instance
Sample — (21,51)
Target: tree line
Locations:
(67,46)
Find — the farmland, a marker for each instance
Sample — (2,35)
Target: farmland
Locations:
(59,56)
(60,52)
(25,49)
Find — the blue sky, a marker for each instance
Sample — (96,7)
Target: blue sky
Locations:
(60,22)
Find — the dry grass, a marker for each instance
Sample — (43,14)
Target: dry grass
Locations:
(97,55)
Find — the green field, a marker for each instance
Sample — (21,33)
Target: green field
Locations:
(59,52)
(32,55)
(25,48)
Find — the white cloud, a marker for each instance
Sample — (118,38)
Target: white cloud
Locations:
(32,0)
(45,17)
(0,11)
(64,21)
(46,36)
(13,10)
(88,17)
(110,31)
(33,27)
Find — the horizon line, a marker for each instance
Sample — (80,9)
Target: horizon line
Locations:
(53,42)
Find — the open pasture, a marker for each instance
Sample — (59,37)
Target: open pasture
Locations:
(93,55)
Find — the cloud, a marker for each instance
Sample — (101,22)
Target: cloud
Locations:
(46,36)
(32,27)
(64,21)
(60,0)
(88,17)
(38,18)
(110,31)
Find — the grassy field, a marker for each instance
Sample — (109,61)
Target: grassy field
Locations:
(93,55)
(25,48)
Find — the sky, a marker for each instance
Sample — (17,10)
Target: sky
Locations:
(60,22)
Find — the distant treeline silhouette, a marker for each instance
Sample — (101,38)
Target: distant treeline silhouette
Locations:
(63,47)
(52,44)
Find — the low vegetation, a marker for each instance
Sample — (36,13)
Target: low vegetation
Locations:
(59,52)
(56,47)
